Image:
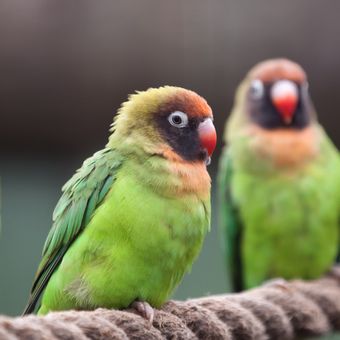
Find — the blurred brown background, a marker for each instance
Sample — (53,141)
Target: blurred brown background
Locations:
(66,65)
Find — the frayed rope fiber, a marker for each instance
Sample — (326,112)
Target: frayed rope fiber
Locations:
(273,311)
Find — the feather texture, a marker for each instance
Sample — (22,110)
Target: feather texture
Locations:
(81,195)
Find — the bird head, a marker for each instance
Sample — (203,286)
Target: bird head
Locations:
(275,96)
(171,121)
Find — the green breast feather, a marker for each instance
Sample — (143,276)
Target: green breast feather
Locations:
(280,225)
(136,244)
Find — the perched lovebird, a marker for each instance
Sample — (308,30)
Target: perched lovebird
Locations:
(279,181)
(133,218)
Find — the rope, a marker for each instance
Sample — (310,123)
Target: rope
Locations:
(274,311)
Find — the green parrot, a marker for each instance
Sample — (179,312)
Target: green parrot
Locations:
(133,218)
(279,181)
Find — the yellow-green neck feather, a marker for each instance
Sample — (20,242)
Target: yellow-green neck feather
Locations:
(133,122)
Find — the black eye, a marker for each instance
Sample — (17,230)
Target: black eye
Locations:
(257,89)
(178,119)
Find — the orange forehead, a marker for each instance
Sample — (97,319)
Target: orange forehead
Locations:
(274,69)
(189,102)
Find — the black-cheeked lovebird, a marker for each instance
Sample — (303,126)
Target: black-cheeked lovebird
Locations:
(133,218)
(279,181)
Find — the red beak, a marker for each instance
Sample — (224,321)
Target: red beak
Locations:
(207,135)
(284,95)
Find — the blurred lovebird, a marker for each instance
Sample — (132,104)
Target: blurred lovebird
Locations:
(133,218)
(279,181)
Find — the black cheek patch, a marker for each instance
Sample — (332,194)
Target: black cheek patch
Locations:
(184,141)
(263,113)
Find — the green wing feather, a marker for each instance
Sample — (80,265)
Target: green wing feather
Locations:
(81,196)
(230,223)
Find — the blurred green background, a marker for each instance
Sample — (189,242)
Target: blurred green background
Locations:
(65,66)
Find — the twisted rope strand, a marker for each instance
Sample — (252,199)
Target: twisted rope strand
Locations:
(273,311)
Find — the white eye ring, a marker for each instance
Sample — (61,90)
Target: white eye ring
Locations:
(178,119)
(257,89)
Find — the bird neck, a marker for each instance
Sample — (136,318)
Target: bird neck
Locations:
(165,172)
(263,150)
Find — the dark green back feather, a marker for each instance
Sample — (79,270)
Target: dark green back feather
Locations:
(230,223)
(81,196)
